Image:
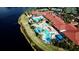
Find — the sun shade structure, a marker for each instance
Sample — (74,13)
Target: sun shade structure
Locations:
(70,30)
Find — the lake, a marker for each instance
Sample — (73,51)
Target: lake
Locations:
(11,39)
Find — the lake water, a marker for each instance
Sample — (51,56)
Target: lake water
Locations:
(10,36)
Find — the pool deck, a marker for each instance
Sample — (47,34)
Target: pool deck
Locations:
(32,39)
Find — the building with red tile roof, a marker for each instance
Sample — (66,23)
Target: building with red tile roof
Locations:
(71,32)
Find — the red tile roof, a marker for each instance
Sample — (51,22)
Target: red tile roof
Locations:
(71,31)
